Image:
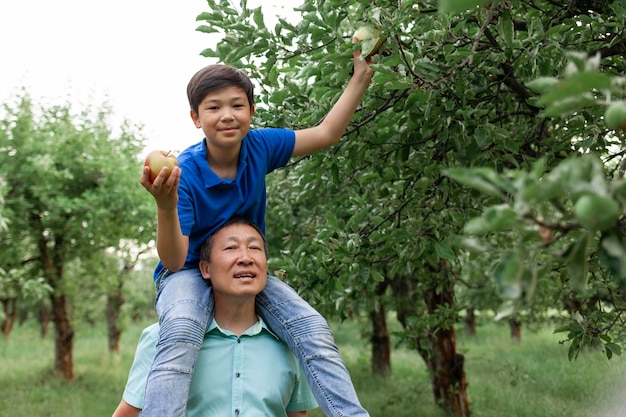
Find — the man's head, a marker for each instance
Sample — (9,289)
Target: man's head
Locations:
(234,258)
(216,77)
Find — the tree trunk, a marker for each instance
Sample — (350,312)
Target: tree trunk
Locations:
(381,345)
(470,322)
(438,346)
(45,315)
(115,301)
(64,341)
(446,366)
(9,306)
(516,329)
(52,265)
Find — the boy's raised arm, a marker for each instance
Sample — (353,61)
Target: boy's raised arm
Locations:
(330,130)
(172,245)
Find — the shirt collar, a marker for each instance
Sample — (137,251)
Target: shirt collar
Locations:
(210,178)
(254,330)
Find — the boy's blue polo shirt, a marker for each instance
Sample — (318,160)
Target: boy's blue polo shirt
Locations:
(206,201)
(253,374)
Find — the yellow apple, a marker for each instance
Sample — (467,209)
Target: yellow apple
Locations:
(370,39)
(159,159)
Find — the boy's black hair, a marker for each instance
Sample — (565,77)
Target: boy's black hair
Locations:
(205,250)
(215,77)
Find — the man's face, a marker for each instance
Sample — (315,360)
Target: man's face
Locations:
(238,265)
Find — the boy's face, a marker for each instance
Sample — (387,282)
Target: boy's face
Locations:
(238,265)
(224,116)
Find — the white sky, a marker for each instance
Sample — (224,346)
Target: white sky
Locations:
(138,55)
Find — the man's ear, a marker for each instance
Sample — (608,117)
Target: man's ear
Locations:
(195,118)
(205,270)
(252,109)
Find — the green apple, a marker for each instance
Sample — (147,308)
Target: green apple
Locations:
(615,116)
(156,160)
(596,212)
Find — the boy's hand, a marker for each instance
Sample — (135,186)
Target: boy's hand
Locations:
(362,66)
(164,189)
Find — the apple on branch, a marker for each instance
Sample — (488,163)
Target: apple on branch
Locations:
(370,39)
(615,116)
(156,160)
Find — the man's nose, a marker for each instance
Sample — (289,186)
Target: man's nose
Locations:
(245,256)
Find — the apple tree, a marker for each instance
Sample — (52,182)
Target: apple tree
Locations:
(72,191)
(480,130)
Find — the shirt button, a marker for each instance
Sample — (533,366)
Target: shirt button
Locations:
(236,411)
(237,374)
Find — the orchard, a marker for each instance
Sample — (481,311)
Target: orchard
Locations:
(480,174)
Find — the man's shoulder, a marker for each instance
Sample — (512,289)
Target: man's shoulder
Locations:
(150,333)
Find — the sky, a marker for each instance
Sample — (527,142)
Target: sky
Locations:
(136,55)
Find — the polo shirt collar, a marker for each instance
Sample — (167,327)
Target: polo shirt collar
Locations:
(210,178)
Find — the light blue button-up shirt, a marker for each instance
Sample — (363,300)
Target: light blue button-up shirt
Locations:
(254,374)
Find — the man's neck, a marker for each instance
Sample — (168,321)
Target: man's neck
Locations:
(235,317)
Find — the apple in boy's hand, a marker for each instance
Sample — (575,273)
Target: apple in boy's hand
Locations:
(370,39)
(159,159)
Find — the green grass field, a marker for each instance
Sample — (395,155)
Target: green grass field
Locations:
(506,379)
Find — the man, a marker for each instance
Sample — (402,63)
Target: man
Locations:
(242,368)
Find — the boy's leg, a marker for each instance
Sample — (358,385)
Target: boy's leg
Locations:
(307,334)
(185,306)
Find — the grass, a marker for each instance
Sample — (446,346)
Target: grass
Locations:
(529,379)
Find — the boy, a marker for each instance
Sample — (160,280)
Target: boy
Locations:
(222,176)
(242,366)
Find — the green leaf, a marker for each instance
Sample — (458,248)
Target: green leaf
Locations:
(258,18)
(207,29)
(577,264)
(508,276)
(444,251)
(494,219)
(611,349)
(575,85)
(457,6)
(480,179)
(542,85)
(569,105)
(505,28)
(612,254)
